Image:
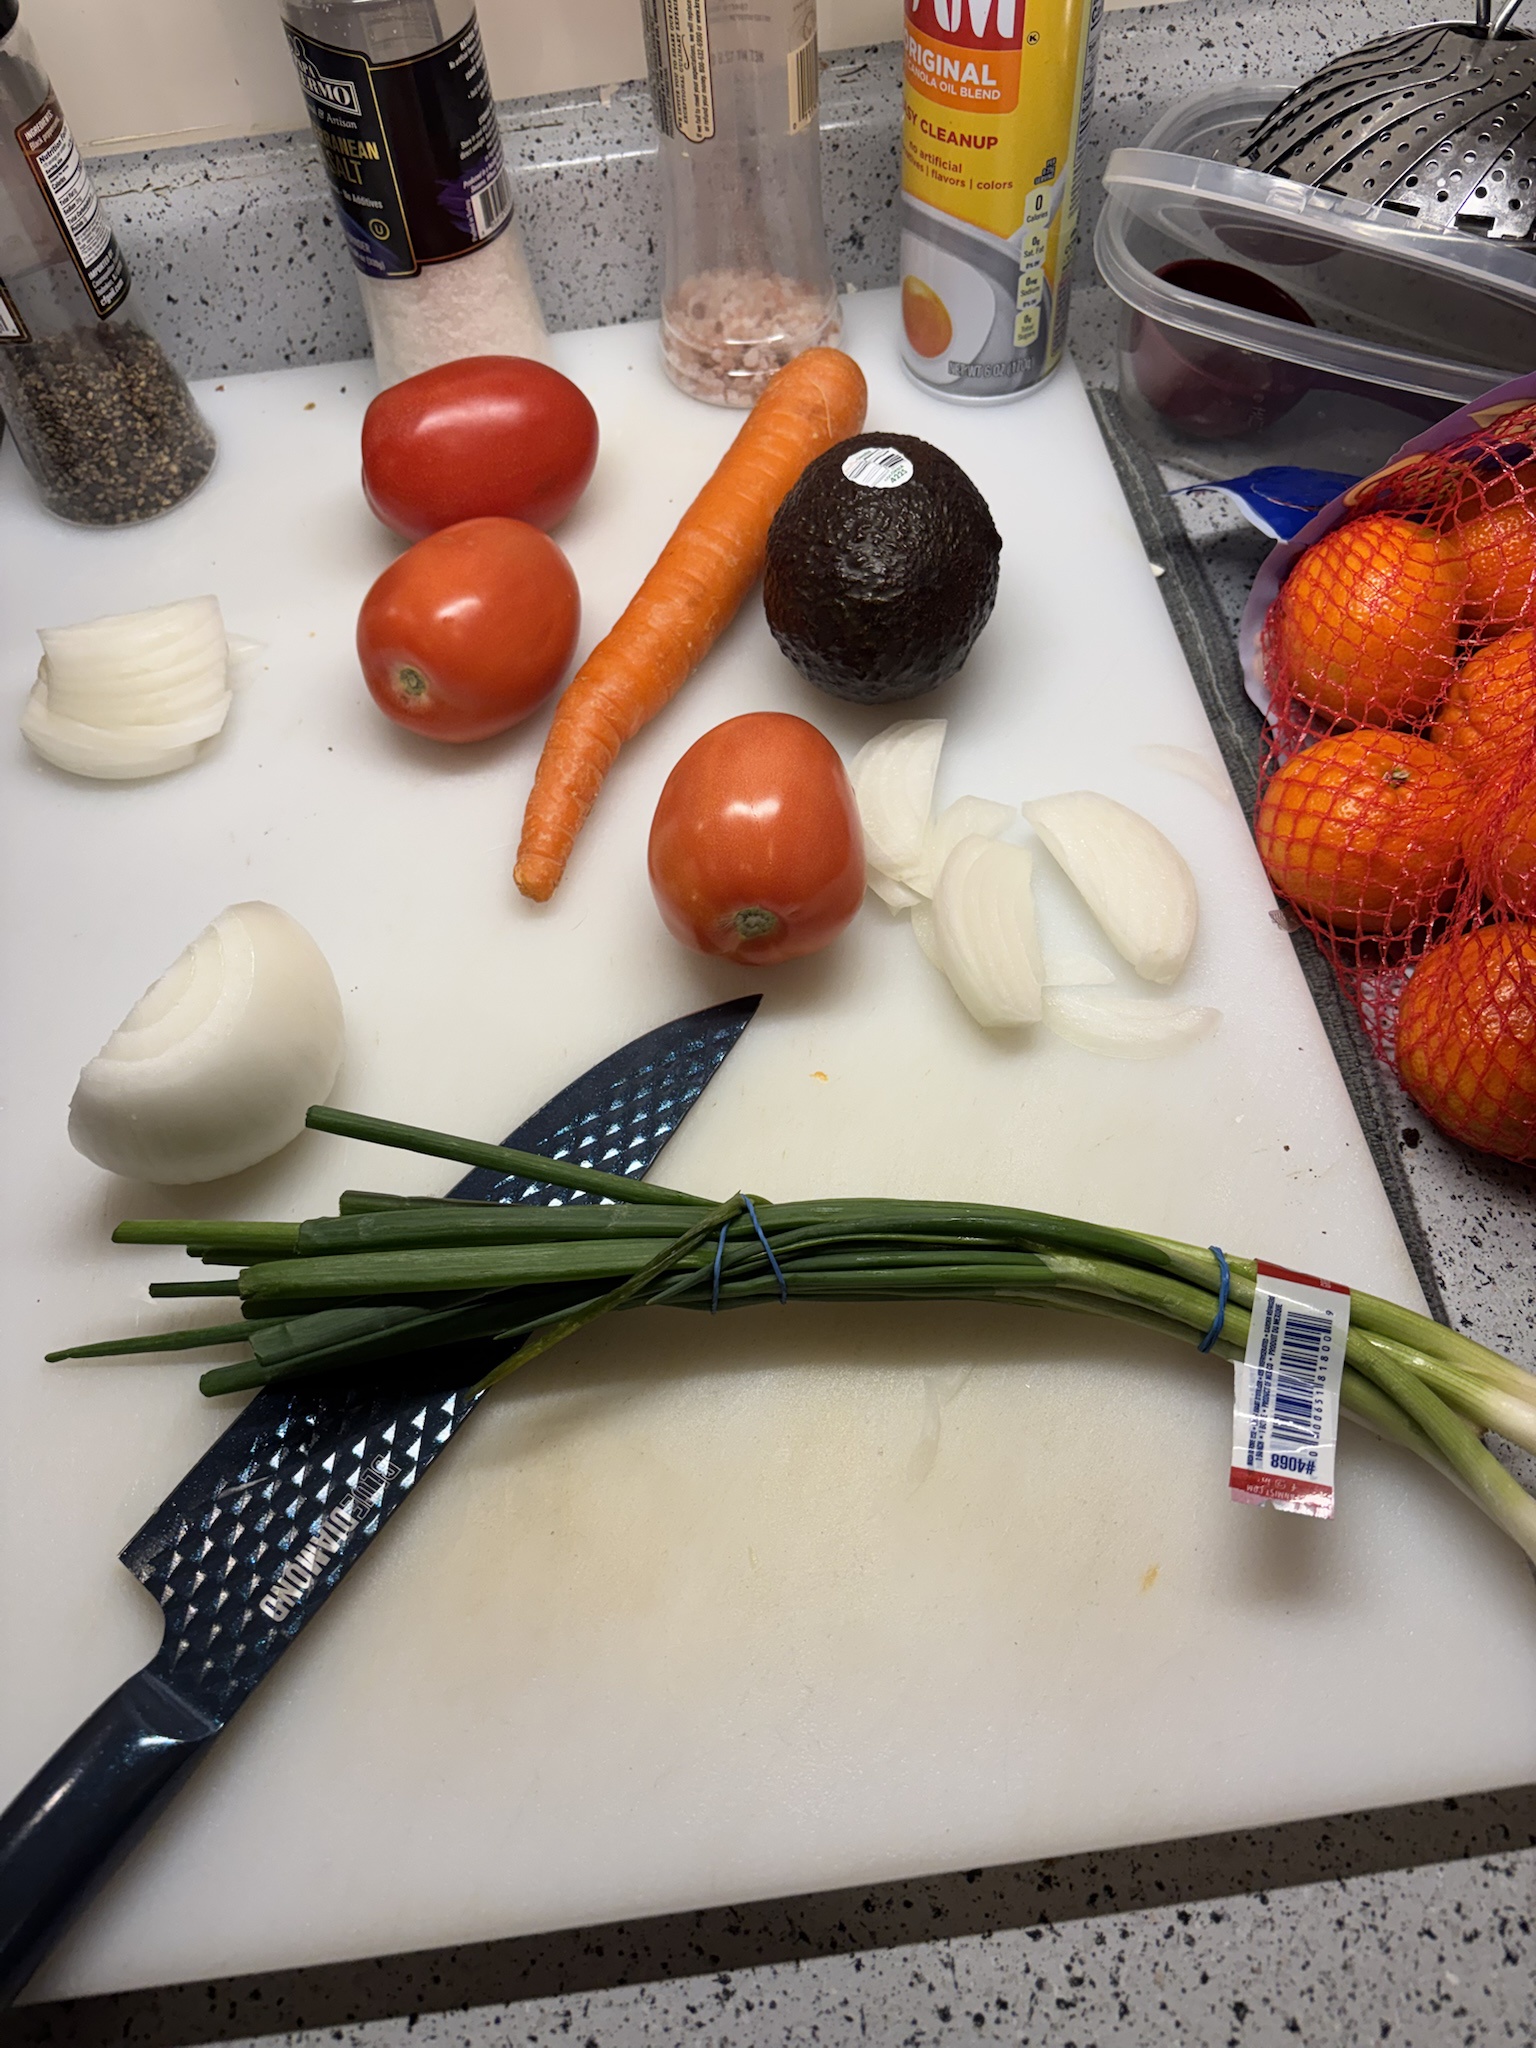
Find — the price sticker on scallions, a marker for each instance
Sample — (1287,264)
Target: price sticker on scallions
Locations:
(1285,1418)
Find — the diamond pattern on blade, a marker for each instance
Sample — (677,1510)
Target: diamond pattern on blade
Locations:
(619,1116)
(268,1547)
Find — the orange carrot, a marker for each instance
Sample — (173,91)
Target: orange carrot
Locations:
(685,603)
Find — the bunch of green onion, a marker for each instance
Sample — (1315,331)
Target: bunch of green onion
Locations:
(482,1288)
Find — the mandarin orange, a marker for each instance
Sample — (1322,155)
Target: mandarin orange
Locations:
(1499,836)
(1500,546)
(1363,832)
(1490,708)
(1466,1038)
(1365,624)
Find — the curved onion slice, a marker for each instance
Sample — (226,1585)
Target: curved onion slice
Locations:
(214,1067)
(925,934)
(1126,1027)
(120,753)
(984,931)
(1210,775)
(966,818)
(1136,884)
(1076,970)
(896,896)
(132,695)
(893,777)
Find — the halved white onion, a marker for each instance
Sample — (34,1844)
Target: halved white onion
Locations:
(132,695)
(893,777)
(1136,884)
(984,931)
(1126,1027)
(215,1065)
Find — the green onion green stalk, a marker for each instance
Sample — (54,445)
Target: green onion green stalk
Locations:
(485,1288)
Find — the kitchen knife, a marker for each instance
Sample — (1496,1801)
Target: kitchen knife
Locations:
(265,1526)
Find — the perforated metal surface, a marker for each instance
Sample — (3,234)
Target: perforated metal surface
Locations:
(1437,125)
(265,1526)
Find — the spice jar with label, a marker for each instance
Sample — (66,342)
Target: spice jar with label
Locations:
(105,425)
(400,103)
(745,279)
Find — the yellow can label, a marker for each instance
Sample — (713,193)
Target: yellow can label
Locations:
(992,101)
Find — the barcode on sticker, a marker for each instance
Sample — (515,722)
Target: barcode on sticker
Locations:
(878,469)
(1285,1421)
(491,207)
(804,84)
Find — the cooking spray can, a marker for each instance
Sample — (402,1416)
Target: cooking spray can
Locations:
(995,94)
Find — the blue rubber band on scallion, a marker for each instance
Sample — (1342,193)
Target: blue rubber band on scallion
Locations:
(714,1282)
(1221,1299)
(762,1238)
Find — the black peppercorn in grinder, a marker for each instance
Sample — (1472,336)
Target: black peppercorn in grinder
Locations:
(104,424)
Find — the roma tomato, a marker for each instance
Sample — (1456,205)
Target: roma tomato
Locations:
(470,629)
(756,851)
(486,437)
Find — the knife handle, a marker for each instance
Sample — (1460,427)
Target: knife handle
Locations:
(63,1832)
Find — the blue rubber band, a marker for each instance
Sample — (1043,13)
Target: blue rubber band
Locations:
(1221,1300)
(778,1271)
(714,1284)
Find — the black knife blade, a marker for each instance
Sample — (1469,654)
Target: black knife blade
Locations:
(247,1548)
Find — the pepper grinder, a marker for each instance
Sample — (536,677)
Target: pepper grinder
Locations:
(104,424)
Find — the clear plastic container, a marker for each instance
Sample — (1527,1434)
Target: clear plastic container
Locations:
(1269,322)
(106,427)
(746,283)
(400,103)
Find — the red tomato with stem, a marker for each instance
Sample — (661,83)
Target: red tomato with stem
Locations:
(756,852)
(486,437)
(470,629)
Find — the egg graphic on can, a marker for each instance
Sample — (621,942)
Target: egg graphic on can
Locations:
(925,317)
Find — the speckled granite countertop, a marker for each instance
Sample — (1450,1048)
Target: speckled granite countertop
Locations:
(1412,1926)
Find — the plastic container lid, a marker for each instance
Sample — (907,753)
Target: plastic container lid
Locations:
(1438,312)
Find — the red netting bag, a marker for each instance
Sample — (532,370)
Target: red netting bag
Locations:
(1397,796)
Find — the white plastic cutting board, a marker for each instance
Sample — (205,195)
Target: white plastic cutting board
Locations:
(703,1612)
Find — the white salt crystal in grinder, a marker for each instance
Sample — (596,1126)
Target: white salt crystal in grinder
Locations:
(104,424)
(400,102)
(745,282)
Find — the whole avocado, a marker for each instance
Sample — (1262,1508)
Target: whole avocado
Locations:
(881,569)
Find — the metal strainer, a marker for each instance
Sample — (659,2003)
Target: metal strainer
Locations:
(1436,123)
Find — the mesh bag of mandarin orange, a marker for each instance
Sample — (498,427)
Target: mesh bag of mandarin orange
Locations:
(1394,648)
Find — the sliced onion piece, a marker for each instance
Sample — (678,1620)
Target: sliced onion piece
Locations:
(1210,775)
(213,1069)
(114,753)
(132,695)
(984,928)
(893,777)
(966,818)
(1076,970)
(896,896)
(171,642)
(1126,1027)
(1136,884)
(243,652)
(925,933)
